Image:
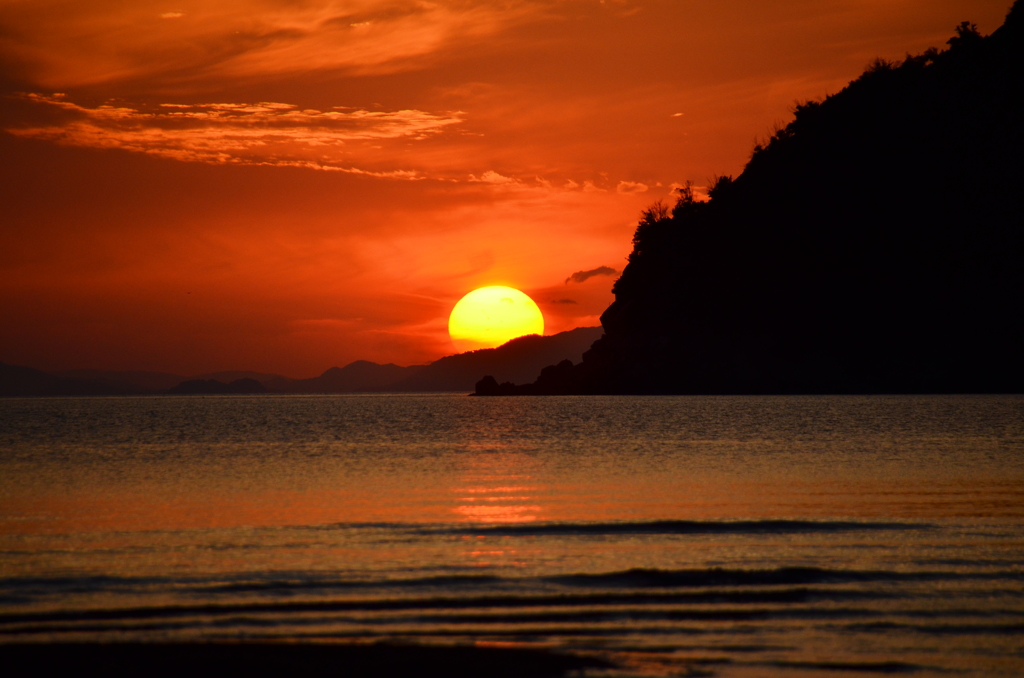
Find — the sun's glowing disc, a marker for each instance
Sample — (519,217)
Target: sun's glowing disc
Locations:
(490,316)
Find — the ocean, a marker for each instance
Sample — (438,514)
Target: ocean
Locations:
(649,536)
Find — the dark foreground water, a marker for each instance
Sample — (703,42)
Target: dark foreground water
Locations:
(664,535)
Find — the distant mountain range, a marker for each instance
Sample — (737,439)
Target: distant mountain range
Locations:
(520,360)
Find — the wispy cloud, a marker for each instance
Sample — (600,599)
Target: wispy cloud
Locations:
(265,133)
(631,187)
(583,276)
(104,41)
(492,177)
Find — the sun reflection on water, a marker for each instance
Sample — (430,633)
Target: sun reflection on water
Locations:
(499,514)
(495,489)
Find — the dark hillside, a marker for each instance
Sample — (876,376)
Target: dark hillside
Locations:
(875,244)
(520,359)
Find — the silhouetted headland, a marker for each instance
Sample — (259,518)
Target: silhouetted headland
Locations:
(872,245)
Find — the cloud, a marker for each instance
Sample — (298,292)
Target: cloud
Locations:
(492,177)
(265,133)
(583,276)
(242,39)
(631,187)
(562,301)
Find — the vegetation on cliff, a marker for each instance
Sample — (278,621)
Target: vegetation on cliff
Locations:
(873,244)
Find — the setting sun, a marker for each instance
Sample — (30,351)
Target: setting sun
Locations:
(490,316)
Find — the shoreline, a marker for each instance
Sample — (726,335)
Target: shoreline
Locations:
(256,659)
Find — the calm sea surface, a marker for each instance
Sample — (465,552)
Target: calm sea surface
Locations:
(723,536)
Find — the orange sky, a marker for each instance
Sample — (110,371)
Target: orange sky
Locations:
(289,185)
